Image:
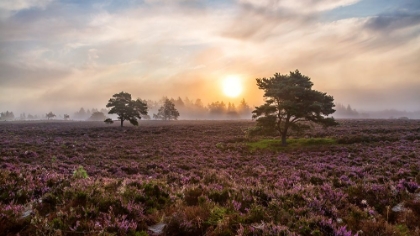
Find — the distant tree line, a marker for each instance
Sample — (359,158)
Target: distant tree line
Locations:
(185,108)
(7,115)
(347,112)
(83,114)
(10,116)
(167,111)
(195,109)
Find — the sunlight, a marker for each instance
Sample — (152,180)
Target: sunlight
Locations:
(232,86)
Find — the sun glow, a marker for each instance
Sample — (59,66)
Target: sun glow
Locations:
(232,86)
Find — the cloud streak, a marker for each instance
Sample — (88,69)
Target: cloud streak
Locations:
(18,5)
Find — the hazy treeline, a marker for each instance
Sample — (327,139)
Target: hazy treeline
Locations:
(7,115)
(83,114)
(196,109)
(342,111)
(10,116)
(188,109)
(347,112)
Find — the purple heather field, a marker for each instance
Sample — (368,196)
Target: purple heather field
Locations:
(208,178)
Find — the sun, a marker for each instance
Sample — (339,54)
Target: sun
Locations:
(232,86)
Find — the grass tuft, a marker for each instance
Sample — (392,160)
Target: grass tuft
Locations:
(275,144)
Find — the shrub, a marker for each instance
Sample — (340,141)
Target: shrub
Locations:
(108,121)
(80,173)
(191,196)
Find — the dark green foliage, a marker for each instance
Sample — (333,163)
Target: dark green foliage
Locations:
(290,102)
(216,215)
(127,109)
(80,173)
(108,121)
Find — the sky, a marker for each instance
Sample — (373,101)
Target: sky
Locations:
(61,55)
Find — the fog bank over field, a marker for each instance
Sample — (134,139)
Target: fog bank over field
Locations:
(60,55)
(195,109)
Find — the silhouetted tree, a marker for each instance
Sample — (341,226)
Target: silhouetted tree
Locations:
(127,109)
(198,103)
(342,111)
(97,116)
(231,110)
(167,111)
(50,115)
(217,108)
(88,113)
(290,100)
(81,114)
(244,109)
(66,117)
(179,102)
(188,102)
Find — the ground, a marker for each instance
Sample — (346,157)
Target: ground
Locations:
(208,178)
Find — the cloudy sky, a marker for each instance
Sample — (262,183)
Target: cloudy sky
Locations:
(64,54)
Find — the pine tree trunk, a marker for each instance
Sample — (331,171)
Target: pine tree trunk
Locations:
(122,122)
(283,140)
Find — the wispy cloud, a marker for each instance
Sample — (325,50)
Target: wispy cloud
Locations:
(17,5)
(184,48)
(392,21)
(298,6)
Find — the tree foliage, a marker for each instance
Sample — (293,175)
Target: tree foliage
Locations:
(244,109)
(50,115)
(217,108)
(290,101)
(127,109)
(97,116)
(108,121)
(167,111)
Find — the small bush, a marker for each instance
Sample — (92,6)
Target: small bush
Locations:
(216,215)
(192,195)
(80,173)
(108,121)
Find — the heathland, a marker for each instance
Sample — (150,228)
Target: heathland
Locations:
(208,178)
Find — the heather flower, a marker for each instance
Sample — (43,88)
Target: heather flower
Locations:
(342,231)
(302,186)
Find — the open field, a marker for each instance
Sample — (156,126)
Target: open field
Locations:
(208,178)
